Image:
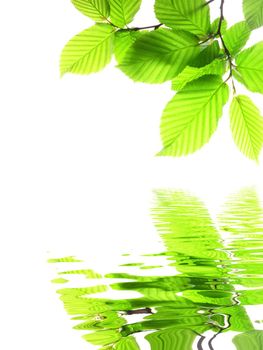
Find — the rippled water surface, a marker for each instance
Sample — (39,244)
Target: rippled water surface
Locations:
(211,296)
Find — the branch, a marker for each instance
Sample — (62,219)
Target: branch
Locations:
(227,52)
(148,27)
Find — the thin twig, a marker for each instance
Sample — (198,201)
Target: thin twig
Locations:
(156,26)
(227,52)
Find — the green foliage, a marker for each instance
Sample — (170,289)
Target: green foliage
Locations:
(89,51)
(191,16)
(122,12)
(185,48)
(246,126)
(188,126)
(250,67)
(249,340)
(236,37)
(216,67)
(253,11)
(98,10)
(160,55)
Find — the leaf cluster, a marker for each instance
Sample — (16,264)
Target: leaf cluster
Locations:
(201,58)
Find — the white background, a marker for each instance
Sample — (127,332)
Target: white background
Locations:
(78,165)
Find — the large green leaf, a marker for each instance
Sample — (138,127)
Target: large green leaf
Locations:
(191,117)
(252,340)
(160,55)
(122,12)
(98,10)
(192,16)
(236,37)
(246,126)
(89,51)
(253,11)
(172,338)
(217,67)
(124,39)
(250,66)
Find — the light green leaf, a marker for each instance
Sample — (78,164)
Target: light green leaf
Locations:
(124,39)
(217,67)
(160,55)
(127,343)
(249,340)
(172,338)
(122,12)
(192,16)
(246,126)
(98,10)
(104,337)
(253,11)
(89,51)
(191,117)
(236,37)
(250,67)
(215,26)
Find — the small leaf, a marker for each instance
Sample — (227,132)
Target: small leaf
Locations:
(192,16)
(208,54)
(250,67)
(124,39)
(246,126)
(127,343)
(253,11)
(217,67)
(215,26)
(98,10)
(104,337)
(89,51)
(236,37)
(160,55)
(191,117)
(122,12)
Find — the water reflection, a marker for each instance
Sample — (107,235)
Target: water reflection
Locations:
(218,273)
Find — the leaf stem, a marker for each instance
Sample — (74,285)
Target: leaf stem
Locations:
(227,52)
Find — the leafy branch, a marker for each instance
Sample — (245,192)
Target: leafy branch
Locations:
(192,52)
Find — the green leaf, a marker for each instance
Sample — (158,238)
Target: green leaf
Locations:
(160,55)
(246,126)
(207,55)
(124,39)
(253,11)
(191,117)
(127,343)
(172,338)
(122,12)
(98,10)
(249,340)
(192,16)
(217,67)
(89,51)
(104,337)
(250,67)
(236,37)
(215,26)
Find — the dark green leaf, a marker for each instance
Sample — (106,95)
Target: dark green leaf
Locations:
(160,55)
(124,39)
